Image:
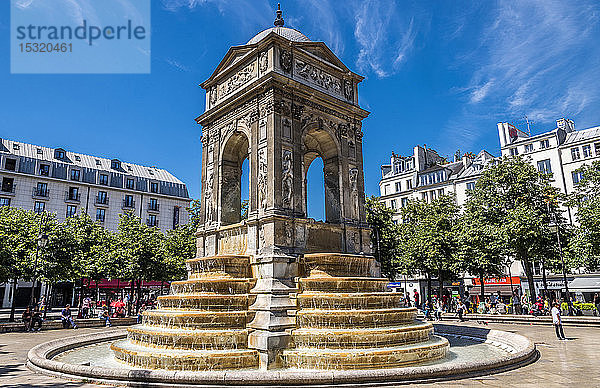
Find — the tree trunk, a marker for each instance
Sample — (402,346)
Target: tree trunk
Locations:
(130,298)
(428,288)
(32,295)
(13,304)
(482,281)
(544,281)
(527,267)
(80,312)
(440,284)
(139,296)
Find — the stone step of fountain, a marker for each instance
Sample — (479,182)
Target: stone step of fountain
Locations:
(158,337)
(338,264)
(213,285)
(345,318)
(184,360)
(352,301)
(196,319)
(344,284)
(366,358)
(216,302)
(362,337)
(235,266)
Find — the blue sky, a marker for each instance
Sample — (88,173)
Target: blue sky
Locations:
(437,73)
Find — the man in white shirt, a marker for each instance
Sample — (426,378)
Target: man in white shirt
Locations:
(557,322)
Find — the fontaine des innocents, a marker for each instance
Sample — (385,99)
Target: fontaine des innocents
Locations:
(280,290)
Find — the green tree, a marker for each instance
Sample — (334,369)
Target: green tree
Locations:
(586,198)
(515,198)
(180,245)
(140,251)
(195,210)
(384,234)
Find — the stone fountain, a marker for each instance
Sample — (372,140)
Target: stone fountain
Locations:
(265,292)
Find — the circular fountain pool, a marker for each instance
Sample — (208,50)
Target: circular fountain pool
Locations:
(473,351)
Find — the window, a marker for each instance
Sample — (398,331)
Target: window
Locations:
(408,184)
(102,199)
(39,151)
(514,151)
(470,186)
(440,192)
(44,169)
(98,162)
(154,187)
(115,164)
(10,164)
(397,168)
(393,204)
(4,202)
(409,165)
(424,196)
(577,177)
(130,184)
(77,158)
(103,179)
(398,187)
(544,166)
(597,148)
(39,207)
(100,214)
(432,195)
(71,210)
(75,175)
(8,185)
(59,154)
(386,189)
(153,204)
(41,190)
(575,153)
(73,194)
(587,151)
(152,221)
(545,144)
(128,201)
(404,202)
(528,148)
(16,147)
(175,216)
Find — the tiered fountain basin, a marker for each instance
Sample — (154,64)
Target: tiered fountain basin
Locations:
(347,320)
(201,325)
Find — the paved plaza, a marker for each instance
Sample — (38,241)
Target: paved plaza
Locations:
(573,363)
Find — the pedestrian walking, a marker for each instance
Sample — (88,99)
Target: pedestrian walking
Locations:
(460,309)
(416,298)
(557,322)
(26,317)
(439,310)
(85,307)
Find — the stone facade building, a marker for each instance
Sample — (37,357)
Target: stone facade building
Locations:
(425,175)
(280,101)
(66,183)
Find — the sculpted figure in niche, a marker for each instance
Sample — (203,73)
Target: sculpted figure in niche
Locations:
(262,179)
(263,62)
(353,177)
(287,179)
(208,194)
(285,60)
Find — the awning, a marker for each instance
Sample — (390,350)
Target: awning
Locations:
(585,284)
(505,289)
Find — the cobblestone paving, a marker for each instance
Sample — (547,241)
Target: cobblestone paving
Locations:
(573,363)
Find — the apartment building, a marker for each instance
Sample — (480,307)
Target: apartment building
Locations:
(425,175)
(67,183)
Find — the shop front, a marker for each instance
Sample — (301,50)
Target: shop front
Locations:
(584,287)
(555,285)
(504,286)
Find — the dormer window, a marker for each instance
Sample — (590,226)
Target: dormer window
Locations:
(16,147)
(39,151)
(77,158)
(115,164)
(59,153)
(98,162)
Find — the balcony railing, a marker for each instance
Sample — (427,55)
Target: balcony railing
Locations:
(153,206)
(40,193)
(150,222)
(8,189)
(101,200)
(128,204)
(73,197)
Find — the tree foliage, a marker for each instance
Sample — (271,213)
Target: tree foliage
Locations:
(384,235)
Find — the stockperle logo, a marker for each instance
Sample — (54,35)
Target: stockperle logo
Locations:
(80,36)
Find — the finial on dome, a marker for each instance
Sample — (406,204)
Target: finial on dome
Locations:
(279,20)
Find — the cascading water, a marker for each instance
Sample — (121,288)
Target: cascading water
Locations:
(346,320)
(201,325)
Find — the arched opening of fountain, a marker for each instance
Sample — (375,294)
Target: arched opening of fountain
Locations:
(319,143)
(235,178)
(315,190)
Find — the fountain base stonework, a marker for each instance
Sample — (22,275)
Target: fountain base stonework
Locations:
(345,319)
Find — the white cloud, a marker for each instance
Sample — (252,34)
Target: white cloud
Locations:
(177,65)
(481,91)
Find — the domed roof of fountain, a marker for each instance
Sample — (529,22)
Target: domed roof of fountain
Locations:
(279,29)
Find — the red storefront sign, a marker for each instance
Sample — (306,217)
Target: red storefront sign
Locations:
(505,280)
(115,283)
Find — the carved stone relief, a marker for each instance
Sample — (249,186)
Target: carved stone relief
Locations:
(263,62)
(348,90)
(316,76)
(208,196)
(262,129)
(213,96)
(353,178)
(237,80)
(262,179)
(287,178)
(289,233)
(285,60)
(286,128)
